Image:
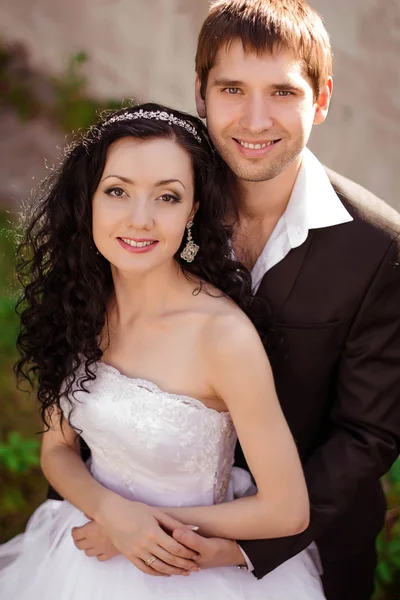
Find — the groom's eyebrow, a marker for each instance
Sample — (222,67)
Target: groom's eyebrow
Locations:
(224,82)
(287,86)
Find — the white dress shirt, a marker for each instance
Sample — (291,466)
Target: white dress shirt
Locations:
(313,204)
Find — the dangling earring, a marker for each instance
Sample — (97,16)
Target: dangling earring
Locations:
(191,249)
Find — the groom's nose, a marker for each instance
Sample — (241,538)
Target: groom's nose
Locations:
(256,114)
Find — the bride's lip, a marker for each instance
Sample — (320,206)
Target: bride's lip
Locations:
(138,249)
(126,237)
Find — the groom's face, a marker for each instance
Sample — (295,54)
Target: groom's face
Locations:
(260,110)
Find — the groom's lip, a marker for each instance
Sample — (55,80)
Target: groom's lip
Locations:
(256,152)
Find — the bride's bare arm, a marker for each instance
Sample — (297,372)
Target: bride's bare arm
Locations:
(241,375)
(135,529)
(65,470)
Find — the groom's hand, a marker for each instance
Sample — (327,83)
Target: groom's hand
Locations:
(93,541)
(213,552)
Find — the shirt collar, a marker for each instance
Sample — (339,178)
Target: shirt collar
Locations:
(313,203)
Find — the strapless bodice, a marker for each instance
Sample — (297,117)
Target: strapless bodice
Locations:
(153,446)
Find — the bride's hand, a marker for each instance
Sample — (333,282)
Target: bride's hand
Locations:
(137,531)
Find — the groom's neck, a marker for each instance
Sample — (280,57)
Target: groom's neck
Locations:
(267,200)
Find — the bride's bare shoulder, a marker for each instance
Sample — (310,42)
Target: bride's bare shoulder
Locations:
(227,325)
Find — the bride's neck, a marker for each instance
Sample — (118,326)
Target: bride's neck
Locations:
(145,295)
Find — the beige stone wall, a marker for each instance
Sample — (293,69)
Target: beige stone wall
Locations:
(361,138)
(145,49)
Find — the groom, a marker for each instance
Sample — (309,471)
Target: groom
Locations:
(325,253)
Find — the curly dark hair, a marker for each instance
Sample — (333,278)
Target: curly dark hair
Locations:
(67,284)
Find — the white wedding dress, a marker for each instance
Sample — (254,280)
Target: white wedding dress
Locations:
(162,449)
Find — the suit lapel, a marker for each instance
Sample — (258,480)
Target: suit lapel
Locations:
(278,282)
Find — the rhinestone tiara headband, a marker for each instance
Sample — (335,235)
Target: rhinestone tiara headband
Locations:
(157,115)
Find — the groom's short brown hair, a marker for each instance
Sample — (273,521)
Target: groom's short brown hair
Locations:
(266,26)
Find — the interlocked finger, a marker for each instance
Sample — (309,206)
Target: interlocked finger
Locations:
(140,564)
(175,561)
(82,544)
(102,557)
(77,535)
(175,548)
(161,567)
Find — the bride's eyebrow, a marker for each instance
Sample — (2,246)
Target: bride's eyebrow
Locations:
(157,184)
(124,179)
(167,181)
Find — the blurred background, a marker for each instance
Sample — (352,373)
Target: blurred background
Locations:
(62,62)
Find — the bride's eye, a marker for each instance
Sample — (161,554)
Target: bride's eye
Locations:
(169,198)
(116,192)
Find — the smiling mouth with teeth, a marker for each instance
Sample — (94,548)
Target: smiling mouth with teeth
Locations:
(256,146)
(135,244)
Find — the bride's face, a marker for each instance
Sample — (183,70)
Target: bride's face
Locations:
(142,203)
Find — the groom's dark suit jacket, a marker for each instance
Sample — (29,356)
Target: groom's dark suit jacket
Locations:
(336,300)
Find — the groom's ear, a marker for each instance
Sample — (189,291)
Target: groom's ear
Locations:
(322,103)
(200,102)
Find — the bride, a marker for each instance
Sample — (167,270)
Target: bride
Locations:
(135,327)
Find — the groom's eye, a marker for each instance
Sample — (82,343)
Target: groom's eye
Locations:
(231,90)
(284,93)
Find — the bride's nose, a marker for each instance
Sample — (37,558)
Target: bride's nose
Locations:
(140,214)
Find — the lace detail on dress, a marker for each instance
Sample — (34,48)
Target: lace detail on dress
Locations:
(151,445)
(152,387)
(225,464)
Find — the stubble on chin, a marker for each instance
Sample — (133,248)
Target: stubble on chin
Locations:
(258,170)
(256,174)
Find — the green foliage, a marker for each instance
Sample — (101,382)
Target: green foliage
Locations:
(22,486)
(73,108)
(8,318)
(9,325)
(67,103)
(18,455)
(388,571)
